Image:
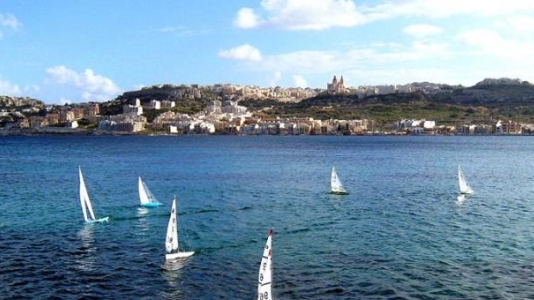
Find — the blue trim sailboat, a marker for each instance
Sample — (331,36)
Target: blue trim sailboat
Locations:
(87,208)
(145,195)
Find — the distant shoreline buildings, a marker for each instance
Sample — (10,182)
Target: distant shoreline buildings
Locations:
(225,115)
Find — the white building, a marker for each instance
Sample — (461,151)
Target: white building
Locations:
(231,107)
(155,104)
(385,89)
(214,108)
(133,110)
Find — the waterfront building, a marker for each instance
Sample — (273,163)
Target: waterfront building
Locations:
(122,123)
(508,127)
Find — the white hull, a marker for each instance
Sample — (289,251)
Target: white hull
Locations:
(101,220)
(178,255)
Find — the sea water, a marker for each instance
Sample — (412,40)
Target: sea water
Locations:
(401,233)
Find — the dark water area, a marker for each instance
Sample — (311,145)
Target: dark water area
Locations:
(401,233)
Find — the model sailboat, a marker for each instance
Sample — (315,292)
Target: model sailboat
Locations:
(265,276)
(145,195)
(87,208)
(464,187)
(336,185)
(171,241)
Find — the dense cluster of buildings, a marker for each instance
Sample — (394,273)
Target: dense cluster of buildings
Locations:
(228,116)
(426,127)
(337,86)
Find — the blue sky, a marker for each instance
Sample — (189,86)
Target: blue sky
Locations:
(63,51)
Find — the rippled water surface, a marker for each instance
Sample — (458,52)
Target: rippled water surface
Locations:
(400,234)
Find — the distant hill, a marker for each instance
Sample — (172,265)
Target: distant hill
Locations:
(485,102)
(488,100)
(7,102)
(182,95)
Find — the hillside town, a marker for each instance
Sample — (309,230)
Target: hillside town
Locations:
(224,115)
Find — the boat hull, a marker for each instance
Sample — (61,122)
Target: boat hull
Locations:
(101,220)
(178,255)
(339,193)
(149,205)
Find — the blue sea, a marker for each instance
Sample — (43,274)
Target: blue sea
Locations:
(401,233)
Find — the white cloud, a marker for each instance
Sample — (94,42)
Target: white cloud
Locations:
(246,18)
(491,43)
(301,62)
(481,37)
(519,24)
(310,64)
(243,52)
(324,14)
(10,89)
(9,21)
(63,75)
(273,81)
(92,87)
(299,81)
(315,62)
(435,49)
(421,30)
(31,89)
(301,15)
(439,8)
(7,88)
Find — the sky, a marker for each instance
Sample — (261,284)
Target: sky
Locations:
(63,51)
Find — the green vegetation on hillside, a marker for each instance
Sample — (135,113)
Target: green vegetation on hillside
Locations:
(480,104)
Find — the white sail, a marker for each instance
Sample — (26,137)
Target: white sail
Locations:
(265,276)
(84,199)
(171,240)
(86,203)
(145,195)
(464,187)
(336,185)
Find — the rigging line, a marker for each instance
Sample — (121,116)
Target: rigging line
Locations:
(184,231)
